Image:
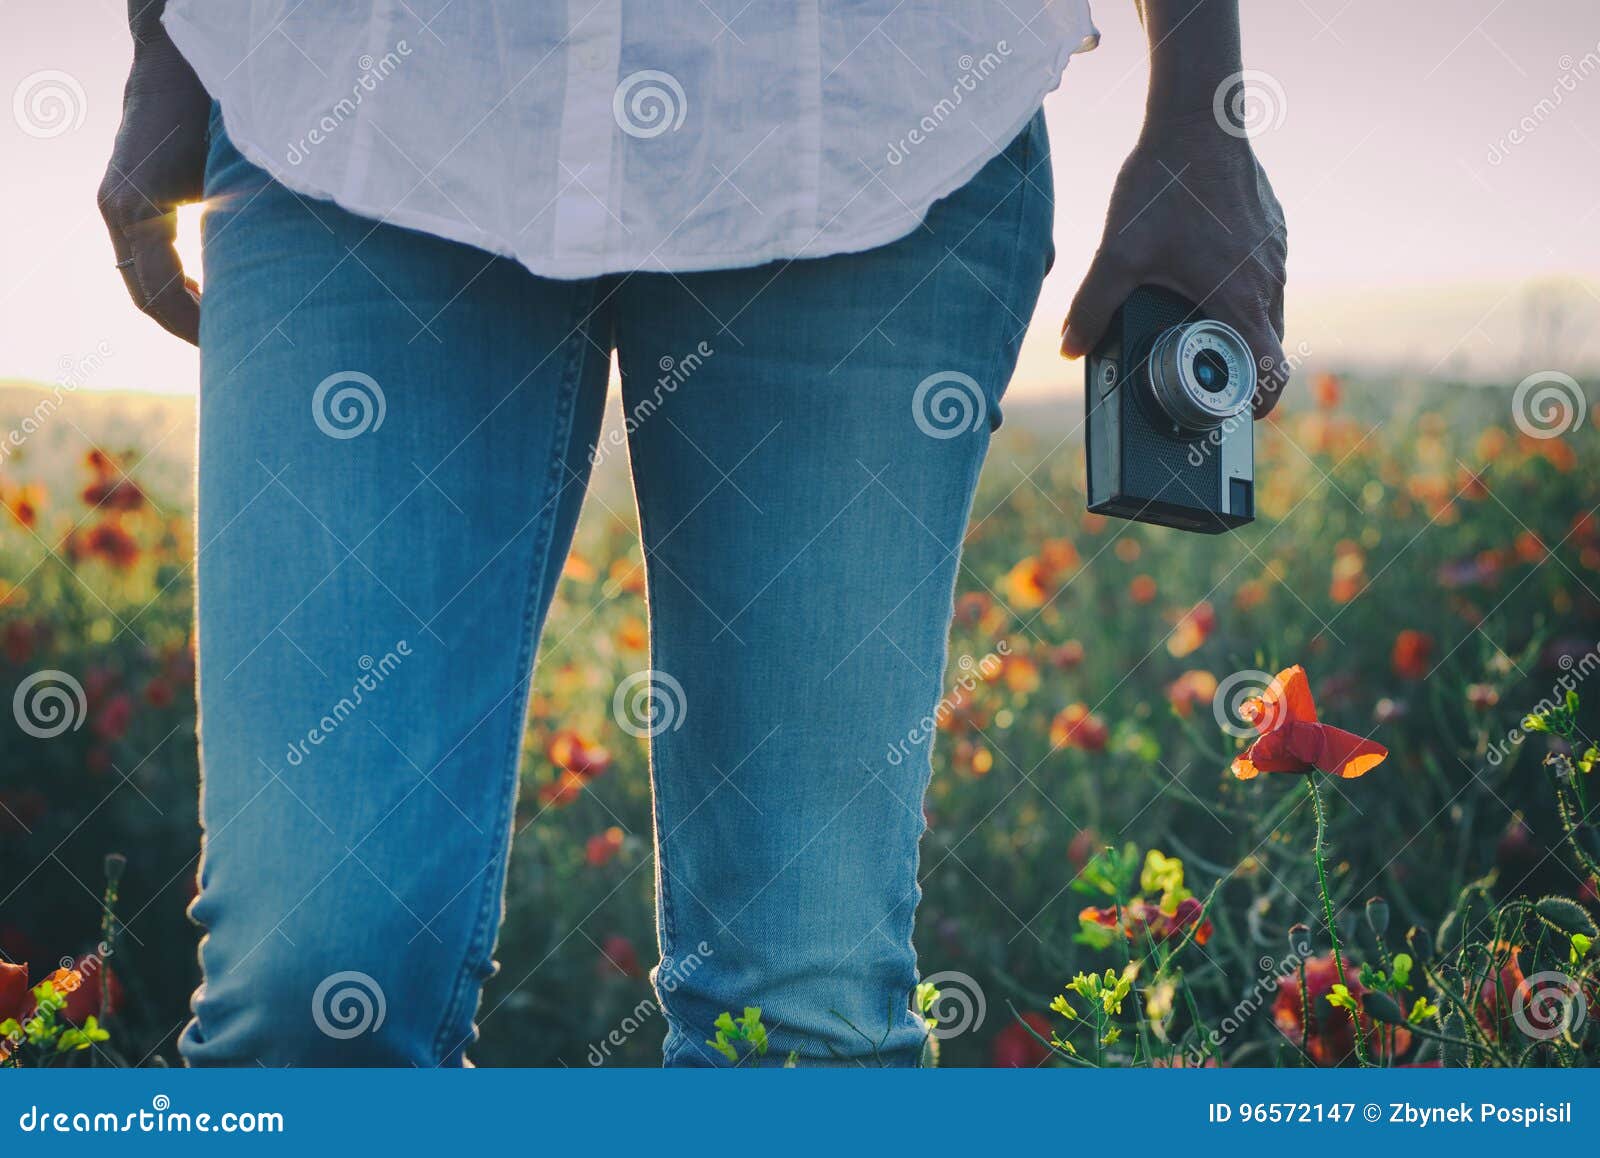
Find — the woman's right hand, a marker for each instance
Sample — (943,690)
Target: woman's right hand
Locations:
(157,164)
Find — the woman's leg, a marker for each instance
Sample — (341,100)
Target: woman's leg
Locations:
(393,437)
(804,479)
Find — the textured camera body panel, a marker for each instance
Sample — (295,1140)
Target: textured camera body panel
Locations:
(1141,465)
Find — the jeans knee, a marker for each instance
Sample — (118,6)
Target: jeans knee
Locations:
(331,1001)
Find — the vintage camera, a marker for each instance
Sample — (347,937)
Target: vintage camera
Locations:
(1170,438)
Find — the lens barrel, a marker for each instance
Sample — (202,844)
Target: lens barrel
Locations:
(1201,374)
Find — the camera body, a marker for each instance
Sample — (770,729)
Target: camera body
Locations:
(1170,434)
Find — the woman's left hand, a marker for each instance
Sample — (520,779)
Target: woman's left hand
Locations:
(1193,211)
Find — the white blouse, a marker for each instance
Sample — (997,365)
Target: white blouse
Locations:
(599,136)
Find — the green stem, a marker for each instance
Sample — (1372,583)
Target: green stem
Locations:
(1327,905)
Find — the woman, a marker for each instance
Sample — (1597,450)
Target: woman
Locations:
(813,235)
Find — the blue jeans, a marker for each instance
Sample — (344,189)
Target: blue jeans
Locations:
(395,438)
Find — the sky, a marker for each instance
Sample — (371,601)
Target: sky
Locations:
(1422,234)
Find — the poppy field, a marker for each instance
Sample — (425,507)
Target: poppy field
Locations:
(1316,793)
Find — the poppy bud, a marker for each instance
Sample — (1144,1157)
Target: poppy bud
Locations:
(1420,942)
(1378,916)
(1567,915)
(1299,940)
(1382,1007)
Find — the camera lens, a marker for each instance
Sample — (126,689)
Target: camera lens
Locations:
(1201,374)
(1211,371)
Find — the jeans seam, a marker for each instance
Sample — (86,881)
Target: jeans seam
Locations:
(568,385)
(667,912)
(1016,261)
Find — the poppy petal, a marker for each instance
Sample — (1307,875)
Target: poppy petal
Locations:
(1344,754)
(1290,694)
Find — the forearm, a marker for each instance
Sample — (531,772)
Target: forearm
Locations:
(1194,47)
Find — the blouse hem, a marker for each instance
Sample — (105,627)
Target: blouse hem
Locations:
(449,229)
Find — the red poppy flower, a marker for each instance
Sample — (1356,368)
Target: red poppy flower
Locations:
(572,752)
(562,791)
(112,721)
(13,990)
(1292,740)
(1413,651)
(121,494)
(1139,919)
(1497,995)
(617,955)
(1194,688)
(1330,1037)
(1191,630)
(1075,726)
(602,846)
(1015,1048)
(113,544)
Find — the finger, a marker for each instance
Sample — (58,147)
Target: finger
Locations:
(1105,287)
(1272,368)
(154,275)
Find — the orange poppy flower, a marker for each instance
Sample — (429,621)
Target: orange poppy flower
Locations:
(562,791)
(1192,629)
(1192,688)
(1139,918)
(633,635)
(602,846)
(1292,740)
(1141,589)
(571,752)
(1328,390)
(1076,726)
(1027,586)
